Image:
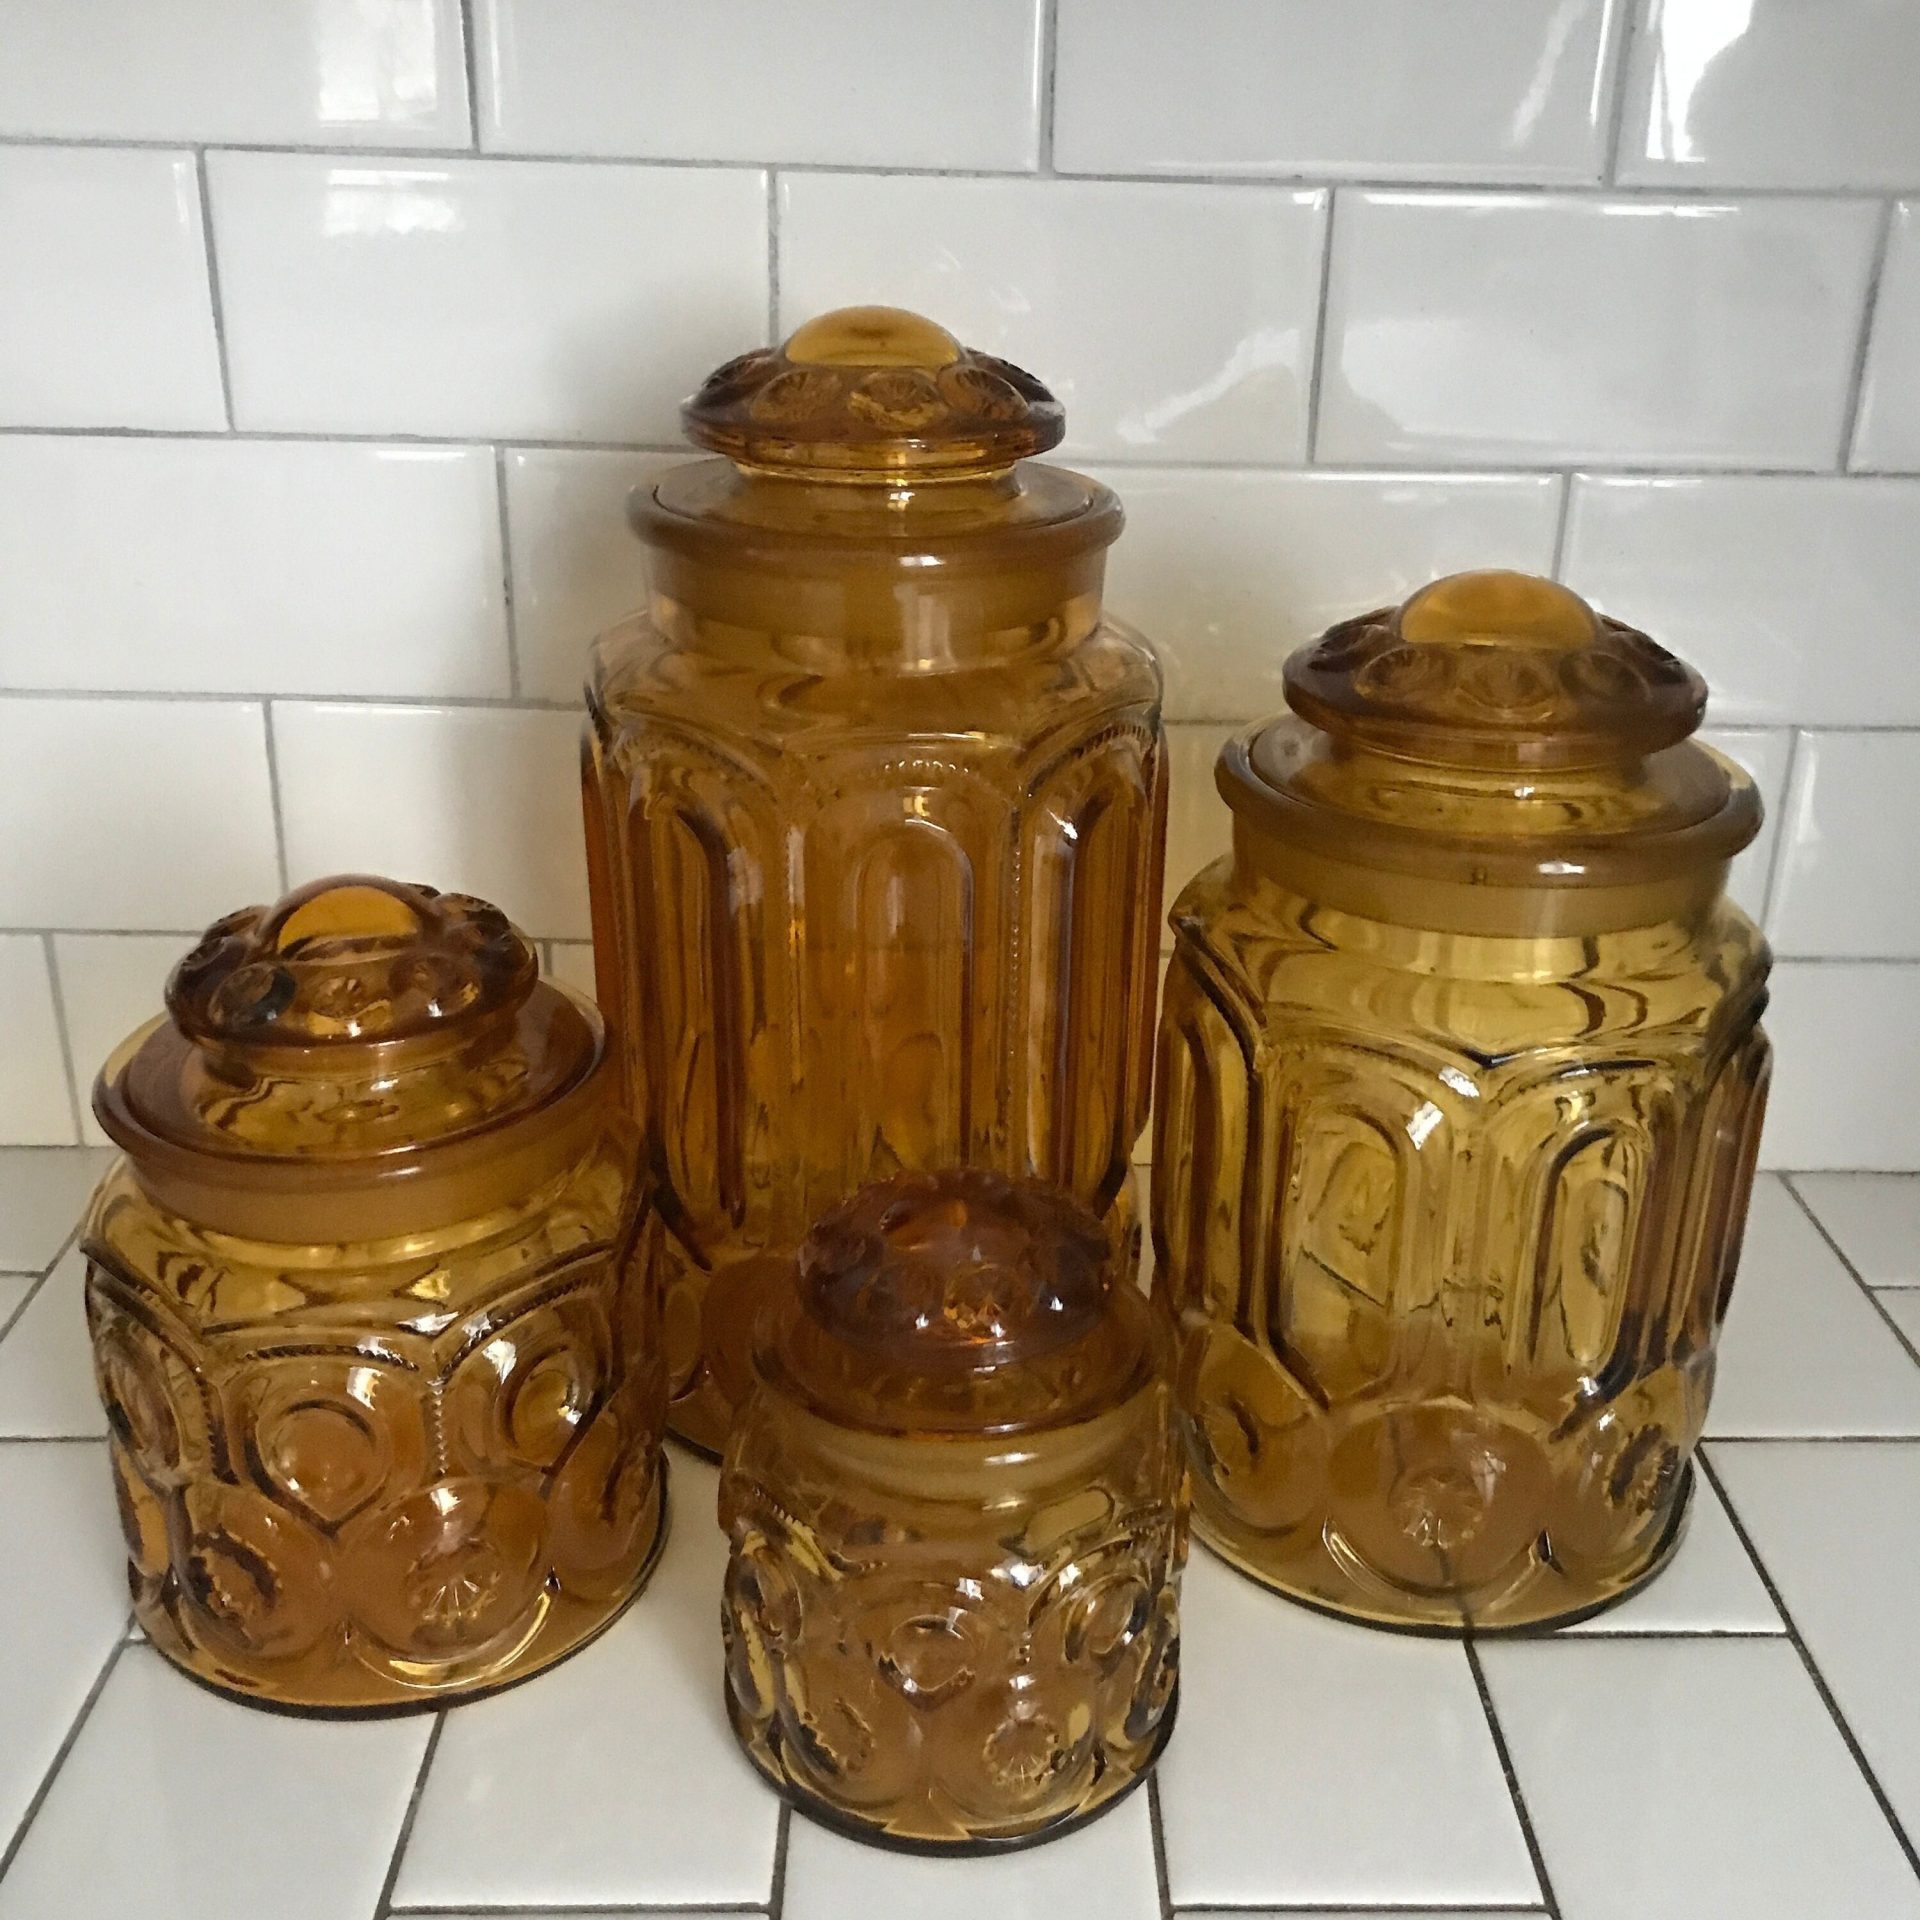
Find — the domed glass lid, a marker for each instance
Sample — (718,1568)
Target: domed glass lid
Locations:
(958,1302)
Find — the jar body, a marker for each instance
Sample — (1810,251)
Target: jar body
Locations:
(382,1474)
(953,1641)
(1448,1224)
(855,912)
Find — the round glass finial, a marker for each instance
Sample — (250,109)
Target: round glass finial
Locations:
(872,337)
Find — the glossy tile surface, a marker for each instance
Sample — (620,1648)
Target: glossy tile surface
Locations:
(1764,755)
(1888,439)
(1772,93)
(1226,573)
(46,1363)
(1472,327)
(1846,1060)
(1902,1307)
(1847,837)
(1804,1350)
(227,559)
(941,83)
(1208,358)
(1792,594)
(1386,89)
(133,813)
(430,298)
(105,314)
(318,72)
(42,1192)
(1874,1218)
(486,799)
(33,1077)
(577,567)
(1374,1744)
(110,983)
(627,1742)
(1713,1761)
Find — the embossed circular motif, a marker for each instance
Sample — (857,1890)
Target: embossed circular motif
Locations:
(139,1405)
(254,1577)
(978,391)
(901,398)
(794,395)
(328,1456)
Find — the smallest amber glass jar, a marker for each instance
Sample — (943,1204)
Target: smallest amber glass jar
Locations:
(382,1376)
(957,1521)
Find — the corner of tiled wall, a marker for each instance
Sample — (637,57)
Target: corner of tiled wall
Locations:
(331,339)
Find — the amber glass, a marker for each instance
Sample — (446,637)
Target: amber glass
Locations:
(957,1518)
(1461,1080)
(380,1359)
(875,810)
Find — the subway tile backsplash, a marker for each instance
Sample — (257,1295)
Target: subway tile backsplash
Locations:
(333,338)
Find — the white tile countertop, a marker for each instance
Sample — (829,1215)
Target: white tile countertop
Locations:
(1742,1739)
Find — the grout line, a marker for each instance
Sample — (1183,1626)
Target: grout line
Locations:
(273,794)
(777,1886)
(1317,370)
(1157,1827)
(217,306)
(1549,1904)
(12,1849)
(308,436)
(1617,114)
(547,1911)
(469,58)
(1346,1910)
(1556,569)
(226,697)
(1049,72)
(1807,1660)
(1777,854)
(1857,375)
(506,573)
(1853,1273)
(773,256)
(384,1905)
(59,997)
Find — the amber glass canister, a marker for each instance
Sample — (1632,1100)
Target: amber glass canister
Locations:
(875,810)
(379,1355)
(957,1518)
(1461,1086)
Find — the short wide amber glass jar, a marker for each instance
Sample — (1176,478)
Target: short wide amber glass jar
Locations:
(381,1369)
(1461,1081)
(957,1520)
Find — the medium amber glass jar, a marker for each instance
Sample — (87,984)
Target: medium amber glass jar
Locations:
(1461,1080)
(875,811)
(957,1517)
(380,1360)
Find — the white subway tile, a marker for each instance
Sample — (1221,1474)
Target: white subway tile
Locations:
(42,1192)
(1793,594)
(1846,1036)
(1888,438)
(330,72)
(572,965)
(110,984)
(1534,328)
(106,318)
(1205,356)
(34,1108)
(1765,756)
(1848,864)
(133,813)
(1388,89)
(1772,93)
(484,800)
(577,565)
(1199,825)
(1226,573)
(244,566)
(487,298)
(941,83)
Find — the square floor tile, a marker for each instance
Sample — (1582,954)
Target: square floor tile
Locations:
(1838,1527)
(1106,1869)
(1710,1585)
(1902,1306)
(1317,1762)
(46,1361)
(614,1779)
(1805,1351)
(63,1605)
(43,1191)
(1874,1219)
(14,1288)
(175,1801)
(1692,1780)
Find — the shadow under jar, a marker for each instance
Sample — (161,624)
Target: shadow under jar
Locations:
(875,805)
(957,1519)
(1461,1083)
(379,1356)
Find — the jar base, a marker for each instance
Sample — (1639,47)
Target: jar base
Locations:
(1302,1566)
(358,1692)
(823,1813)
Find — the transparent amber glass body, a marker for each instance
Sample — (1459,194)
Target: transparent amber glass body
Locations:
(875,810)
(379,1356)
(957,1519)
(1461,1082)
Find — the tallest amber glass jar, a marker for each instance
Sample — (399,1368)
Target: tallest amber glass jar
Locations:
(1461,1081)
(875,807)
